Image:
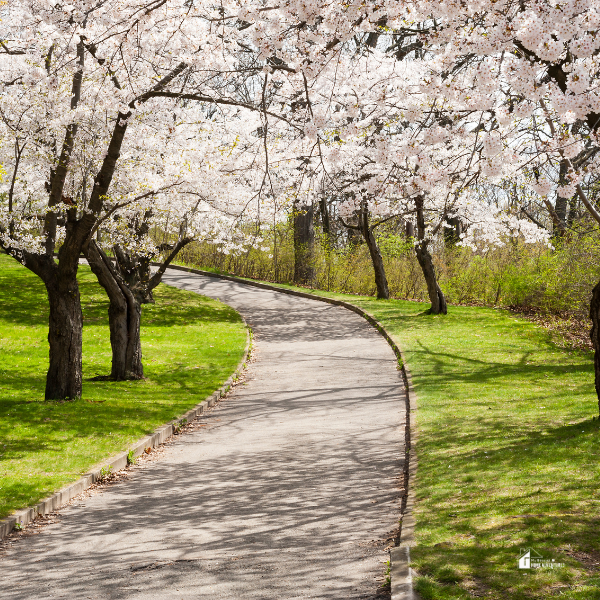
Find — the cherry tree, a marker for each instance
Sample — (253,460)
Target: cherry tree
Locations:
(156,227)
(528,71)
(384,146)
(78,81)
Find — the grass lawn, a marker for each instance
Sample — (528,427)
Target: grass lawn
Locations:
(191,345)
(508,454)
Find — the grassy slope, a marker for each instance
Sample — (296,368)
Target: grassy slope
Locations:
(508,453)
(191,345)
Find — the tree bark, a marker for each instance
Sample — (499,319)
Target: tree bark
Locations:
(63,379)
(128,285)
(133,368)
(304,242)
(572,211)
(452,232)
(595,337)
(436,296)
(124,317)
(381,283)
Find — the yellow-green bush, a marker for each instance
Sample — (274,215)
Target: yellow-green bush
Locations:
(555,280)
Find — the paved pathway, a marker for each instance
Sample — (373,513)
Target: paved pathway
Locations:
(291,491)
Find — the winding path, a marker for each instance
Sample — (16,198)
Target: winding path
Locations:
(291,490)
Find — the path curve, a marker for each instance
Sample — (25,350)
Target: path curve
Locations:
(290,491)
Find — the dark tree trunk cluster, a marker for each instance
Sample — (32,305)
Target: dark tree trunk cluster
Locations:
(128,283)
(124,315)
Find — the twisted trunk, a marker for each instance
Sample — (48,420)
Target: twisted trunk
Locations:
(124,317)
(127,282)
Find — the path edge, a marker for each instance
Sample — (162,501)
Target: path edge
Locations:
(59,499)
(400,571)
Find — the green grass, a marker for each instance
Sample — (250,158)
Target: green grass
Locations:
(508,454)
(190,345)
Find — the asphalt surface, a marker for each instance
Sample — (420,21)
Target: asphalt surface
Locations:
(288,490)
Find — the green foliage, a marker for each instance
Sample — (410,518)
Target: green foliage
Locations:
(387,582)
(191,344)
(551,280)
(506,450)
(130,458)
(105,473)
(395,246)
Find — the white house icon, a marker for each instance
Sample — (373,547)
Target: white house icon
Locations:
(525,560)
(526,556)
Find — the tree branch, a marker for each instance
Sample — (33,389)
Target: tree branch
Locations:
(155,280)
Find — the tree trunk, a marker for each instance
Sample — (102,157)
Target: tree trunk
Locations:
(561,212)
(436,296)
(304,241)
(124,317)
(572,211)
(65,337)
(128,285)
(325,220)
(133,354)
(383,291)
(595,336)
(354,237)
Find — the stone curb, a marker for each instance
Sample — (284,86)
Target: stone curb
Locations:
(400,571)
(25,516)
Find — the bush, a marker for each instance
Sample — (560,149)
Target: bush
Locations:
(555,280)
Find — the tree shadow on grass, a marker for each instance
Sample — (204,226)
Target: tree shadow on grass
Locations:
(488,500)
(22,297)
(482,569)
(480,370)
